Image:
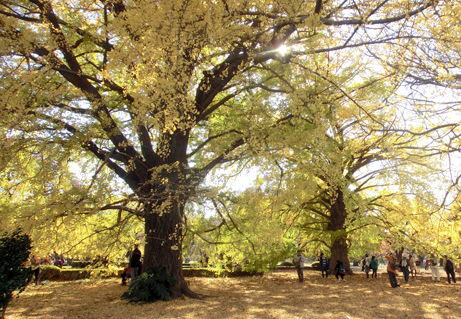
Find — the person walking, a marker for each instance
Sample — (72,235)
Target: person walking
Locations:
(324,266)
(392,270)
(412,266)
(340,270)
(135,262)
(374,267)
(434,268)
(35,268)
(449,268)
(404,264)
(366,263)
(418,265)
(299,261)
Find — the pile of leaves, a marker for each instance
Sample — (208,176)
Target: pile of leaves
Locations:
(150,286)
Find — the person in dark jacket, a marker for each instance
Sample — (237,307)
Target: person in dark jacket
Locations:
(324,266)
(135,262)
(340,270)
(449,268)
(374,267)
(404,264)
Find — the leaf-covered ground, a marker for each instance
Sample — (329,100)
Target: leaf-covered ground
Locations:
(275,295)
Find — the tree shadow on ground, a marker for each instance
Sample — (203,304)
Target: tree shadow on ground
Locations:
(275,295)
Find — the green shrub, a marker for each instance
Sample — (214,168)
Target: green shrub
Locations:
(49,272)
(150,286)
(14,251)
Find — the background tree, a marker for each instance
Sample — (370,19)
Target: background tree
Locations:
(355,162)
(155,92)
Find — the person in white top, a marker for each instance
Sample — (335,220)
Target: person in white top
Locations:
(299,261)
(434,268)
(366,262)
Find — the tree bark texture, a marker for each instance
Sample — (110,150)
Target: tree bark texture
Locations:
(339,248)
(164,214)
(339,251)
(164,245)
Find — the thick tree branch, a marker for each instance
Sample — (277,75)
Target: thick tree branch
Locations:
(129,177)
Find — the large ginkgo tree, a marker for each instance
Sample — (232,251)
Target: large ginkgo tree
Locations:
(155,94)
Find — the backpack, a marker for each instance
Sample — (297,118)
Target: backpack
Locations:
(342,270)
(297,263)
(449,265)
(373,264)
(395,264)
(433,262)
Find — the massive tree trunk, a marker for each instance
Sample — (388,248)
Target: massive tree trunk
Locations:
(339,251)
(336,225)
(164,213)
(164,245)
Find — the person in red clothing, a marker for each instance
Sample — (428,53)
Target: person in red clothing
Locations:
(124,275)
(391,271)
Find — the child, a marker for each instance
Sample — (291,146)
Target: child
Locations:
(340,270)
(125,274)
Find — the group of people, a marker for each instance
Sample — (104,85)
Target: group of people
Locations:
(448,267)
(299,261)
(35,261)
(408,264)
(50,259)
(370,263)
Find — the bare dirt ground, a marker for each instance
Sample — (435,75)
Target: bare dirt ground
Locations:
(275,295)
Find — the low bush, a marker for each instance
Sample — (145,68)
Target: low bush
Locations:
(150,286)
(57,274)
(14,251)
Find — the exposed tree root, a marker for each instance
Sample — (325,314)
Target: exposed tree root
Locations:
(181,290)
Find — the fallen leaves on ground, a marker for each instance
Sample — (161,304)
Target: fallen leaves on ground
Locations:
(275,295)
